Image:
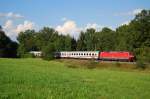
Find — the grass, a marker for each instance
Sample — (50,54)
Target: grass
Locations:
(38,79)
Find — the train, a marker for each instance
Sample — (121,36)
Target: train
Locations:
(98,55)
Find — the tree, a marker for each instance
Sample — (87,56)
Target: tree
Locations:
(73,44)
(48,52)
(67,43)
(141,25)
(106,40)
(27,42)
(81,43)
(8,48)
(90,39)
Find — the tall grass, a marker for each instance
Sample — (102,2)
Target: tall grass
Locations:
(38,79)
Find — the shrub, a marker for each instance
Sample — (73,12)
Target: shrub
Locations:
(143,54)
(27,55)
(140,64)
(48,52)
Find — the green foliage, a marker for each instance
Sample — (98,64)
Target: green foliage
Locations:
(81,43)
(37,41)
(27,55)
(39,79)
(27,42)
(140,64)
(143,54)
(48,52)
(106,39)
(8,48)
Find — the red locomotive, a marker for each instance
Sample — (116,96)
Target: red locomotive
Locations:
(117,56)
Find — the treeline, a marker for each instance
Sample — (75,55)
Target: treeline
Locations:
(8,48)
(134,37)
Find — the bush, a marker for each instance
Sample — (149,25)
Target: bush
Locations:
(143,54)
(140,64)
(48,52)
(27,55)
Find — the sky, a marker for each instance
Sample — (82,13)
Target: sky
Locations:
(67,16)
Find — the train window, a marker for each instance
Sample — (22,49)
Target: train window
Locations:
(77,53)
(92,54)
(81,53)
(89,54)
(84,53)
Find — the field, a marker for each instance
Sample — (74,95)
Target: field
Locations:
(38,79)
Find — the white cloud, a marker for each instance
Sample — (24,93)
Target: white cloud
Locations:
(129,13)
(137,11)
(13,30)
(8,24)
(94,26)
(25,26)
(9,29)
(69,27)
(11,15)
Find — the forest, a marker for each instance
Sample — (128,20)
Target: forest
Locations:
(134,37)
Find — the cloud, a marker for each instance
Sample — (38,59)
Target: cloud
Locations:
(94,26)
(13,30)
(8,24)
(129,13)
(136,11)
(25,26)
(69,27)
(9,29)
(11,15)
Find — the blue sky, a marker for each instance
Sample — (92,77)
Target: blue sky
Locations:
(55,13)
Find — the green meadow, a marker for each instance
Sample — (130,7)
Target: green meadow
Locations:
(39,79)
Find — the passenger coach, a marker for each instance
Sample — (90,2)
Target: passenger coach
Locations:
(78,54)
